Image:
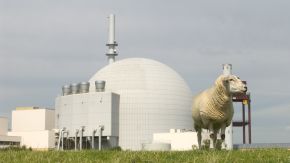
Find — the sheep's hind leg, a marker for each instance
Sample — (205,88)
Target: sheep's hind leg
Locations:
(198,130)
(215,138)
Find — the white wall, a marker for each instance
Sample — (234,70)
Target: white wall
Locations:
(89,110)
(36,139)
(49,119)
(179,141)
(32,120)
(5,138)
(3,125)
(35,127)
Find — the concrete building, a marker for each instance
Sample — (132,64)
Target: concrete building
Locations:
(84,116)
(180,140)
(5,140)
(35,127)
(153,99)
(3,125)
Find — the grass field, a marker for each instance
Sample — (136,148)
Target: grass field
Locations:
(203,156)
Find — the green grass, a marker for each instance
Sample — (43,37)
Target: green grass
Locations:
(203,156)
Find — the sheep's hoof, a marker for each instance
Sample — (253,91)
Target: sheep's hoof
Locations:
(223,136)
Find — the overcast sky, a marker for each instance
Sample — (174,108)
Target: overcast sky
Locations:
(45,44)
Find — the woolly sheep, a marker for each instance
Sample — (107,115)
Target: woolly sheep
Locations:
(212,109)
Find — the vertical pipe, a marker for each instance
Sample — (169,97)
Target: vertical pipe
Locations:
(59,139)
(66,141)
(111,59)
(111,39)
(244,124)
(100,136)
(229,137)
(81,137)
(249,120)
(62,133)
(81,141)
(227,70)
(76,138)
(100,139)
(93,140)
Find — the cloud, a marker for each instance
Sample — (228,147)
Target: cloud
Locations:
(287,128)
(277,110)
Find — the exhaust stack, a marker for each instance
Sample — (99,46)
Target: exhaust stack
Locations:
(112,52)
(227,70)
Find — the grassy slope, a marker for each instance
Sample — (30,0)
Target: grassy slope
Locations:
(269,155)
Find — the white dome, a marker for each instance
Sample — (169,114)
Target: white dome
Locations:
(153,98)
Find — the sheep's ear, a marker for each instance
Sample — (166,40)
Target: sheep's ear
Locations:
(223,79)
(226,79)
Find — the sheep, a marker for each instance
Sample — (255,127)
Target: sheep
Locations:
(212,109)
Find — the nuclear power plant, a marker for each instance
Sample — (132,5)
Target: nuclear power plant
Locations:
(134,103)
(124,103)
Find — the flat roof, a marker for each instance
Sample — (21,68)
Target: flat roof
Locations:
(5,138)
(26,108)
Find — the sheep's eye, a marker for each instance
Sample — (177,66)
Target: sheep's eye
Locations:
(231,79)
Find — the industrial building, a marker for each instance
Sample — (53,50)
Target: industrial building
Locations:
(31,127)
(35,126)
(5,140)
(84,118)
(132,99)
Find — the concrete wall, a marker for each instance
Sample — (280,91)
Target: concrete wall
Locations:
(7,141)
(35,127)
(179,140)
(3,125)
(41,140)
(32,120)
(89,110)
(5,138)
(115,114)
(49,119)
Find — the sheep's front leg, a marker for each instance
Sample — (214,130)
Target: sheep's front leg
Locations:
(223,135)
(212,135)
(223,130)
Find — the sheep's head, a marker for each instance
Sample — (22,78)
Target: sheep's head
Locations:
(232,83)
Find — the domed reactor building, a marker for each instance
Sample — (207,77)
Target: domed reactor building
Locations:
(122,104)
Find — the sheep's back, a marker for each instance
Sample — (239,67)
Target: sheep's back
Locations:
(198,102)
(204,107)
